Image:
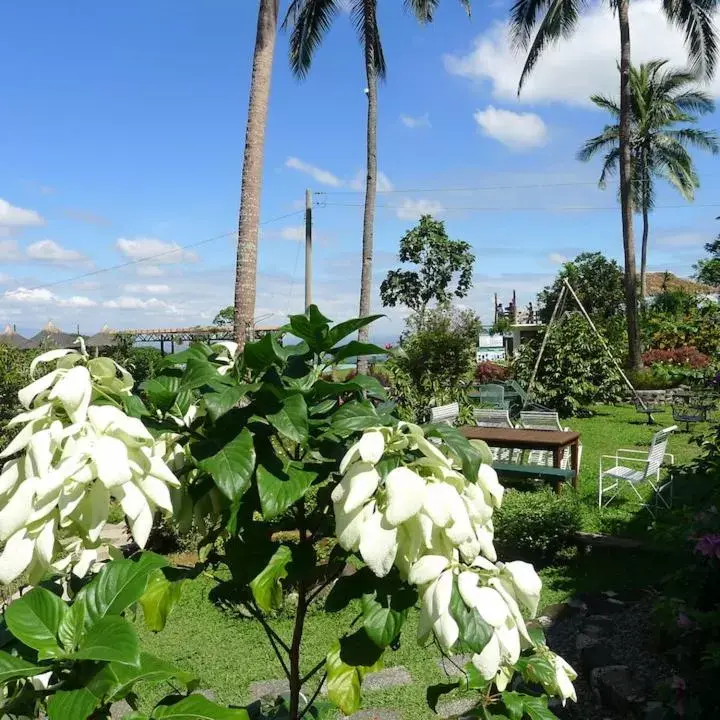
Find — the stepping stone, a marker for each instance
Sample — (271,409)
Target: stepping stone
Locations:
(458,707)
(270,688)
(387,678)
(119,710)
(595,656)
(618,688)
(116,534)
(453,666)
(597,626)
(379,714)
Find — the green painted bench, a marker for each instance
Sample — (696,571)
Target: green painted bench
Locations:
(552,474)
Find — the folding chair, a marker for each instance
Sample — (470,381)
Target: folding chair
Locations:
(447,414)
(650,466)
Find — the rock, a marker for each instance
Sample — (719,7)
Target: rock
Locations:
(544,621)
(453,666)
(268,688)
(577,603)
(617,688)
(379,714)
(456,708)
(597,626)
(558,611)
(387,678)
(119,710)
(653,711)
(603,605)
(560,711)
(583,641)
(594,656)
(207,693)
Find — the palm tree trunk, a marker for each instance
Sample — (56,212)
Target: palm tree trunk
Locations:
(249,220)
(626,203)
(643,253)
(370,194)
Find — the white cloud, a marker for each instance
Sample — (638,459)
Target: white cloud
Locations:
(77,301)
(149,270)
(324,177)
(48,251)
(4,278)
(12,216)
(295,232)
(519,131)
(9,250)
(557,258)
(149,289)
(413,209)
(140,248)
(383,182)
(86,285)
(684,239)
(575,68)
(29,296)
(127,302)
(423,121)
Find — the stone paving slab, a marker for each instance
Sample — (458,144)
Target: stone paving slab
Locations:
(387,678)
(457,707)
(379,714)
(273,688)
(453,665)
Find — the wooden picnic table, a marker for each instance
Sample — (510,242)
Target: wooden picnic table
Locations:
(554,441)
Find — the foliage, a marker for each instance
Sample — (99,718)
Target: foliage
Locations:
(225,317)
(271,456)
(689,356)
(143,362)
(575,370)
(707,270)
(14,374)
(440,262)
(598,283)
(674,302)
(435,362)
(490,372)
(655,378)
(696,325)
(537,525)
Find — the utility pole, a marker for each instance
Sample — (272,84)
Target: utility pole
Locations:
(308,248)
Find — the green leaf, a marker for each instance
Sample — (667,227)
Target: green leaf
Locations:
(261,354)
(134,406)
(313,328)
(475,633)
(343,329)
(291,420)
(323,407)
(197,351)
(34,619)
(353,416)
(370,385)
(482,448)
(111,639)
(356,349)
(197,707)
(537,669)
(72,626)
(382,624)
(435,692)
(302,384)
(117,680)
(232,467)
(343,682)
(198,373)
(536,708)
(471,679)
(219,403)
(266,587)
(358,650)
(158,600)
(161,390)
(280,491)
(118,586)
(12,667)
(460,446)
(72,705)
(514,705)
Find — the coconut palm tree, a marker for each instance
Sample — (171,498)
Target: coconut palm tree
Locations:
(662,99)
(310,20)
(249,220)
(539,23)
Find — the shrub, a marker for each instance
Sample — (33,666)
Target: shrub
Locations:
(490,372)
(536,525)
(650,379)
(688,356)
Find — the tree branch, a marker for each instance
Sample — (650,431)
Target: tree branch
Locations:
(313,671)
(310,702)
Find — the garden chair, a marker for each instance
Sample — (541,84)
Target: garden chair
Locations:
(490,395)
(488,417)
(540,420)
(647,469)
(447,414)
(690,409)
(517,398)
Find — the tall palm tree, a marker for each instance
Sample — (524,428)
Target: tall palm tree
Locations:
(538,23)
(661,99)
(249,220)
(310,20)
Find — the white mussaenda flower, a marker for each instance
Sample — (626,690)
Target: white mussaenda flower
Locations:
(357,486)
(405,495)
(488,480)
(378,544)
(564,676)
(369,448)
(526,583)
(72,457)
(427,569)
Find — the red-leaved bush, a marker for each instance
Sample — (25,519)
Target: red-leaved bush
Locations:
(687,356)
(488,372)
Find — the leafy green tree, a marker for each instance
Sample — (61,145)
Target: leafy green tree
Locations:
(662,99)
(225,317)
(598,283)
(537,24)
(310,20)
(441,263)
(707,270)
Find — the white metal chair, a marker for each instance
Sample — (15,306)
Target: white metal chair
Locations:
(447,414)
(648,465)
(487,417)
(536,420)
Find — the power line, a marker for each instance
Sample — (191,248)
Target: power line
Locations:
(459,189)
(129,263)
(538,208)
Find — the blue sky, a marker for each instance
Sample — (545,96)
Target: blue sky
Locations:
(123,133)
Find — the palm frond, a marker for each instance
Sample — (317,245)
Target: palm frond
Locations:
(703,139)
(695,101)
(422,9)
(695,19)
(364,18)
(523,18)
(309,20)
(606,103)
(609,139)
(610,166)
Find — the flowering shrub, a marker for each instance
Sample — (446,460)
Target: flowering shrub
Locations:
(688,356)
(258,440)
(490,372)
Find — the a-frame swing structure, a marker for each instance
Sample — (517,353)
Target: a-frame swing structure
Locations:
(566,290)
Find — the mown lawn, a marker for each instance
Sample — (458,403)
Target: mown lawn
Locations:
(229,654)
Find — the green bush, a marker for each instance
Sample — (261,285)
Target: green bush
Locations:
(14,375)
(651,379)
(536,525)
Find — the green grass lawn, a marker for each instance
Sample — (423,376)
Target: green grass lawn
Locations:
(229,654)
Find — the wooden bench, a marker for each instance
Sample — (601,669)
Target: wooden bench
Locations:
(544,472)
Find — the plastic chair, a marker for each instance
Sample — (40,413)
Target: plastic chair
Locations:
(447,414)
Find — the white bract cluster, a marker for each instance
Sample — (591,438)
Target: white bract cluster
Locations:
(77,448)
(434,525)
